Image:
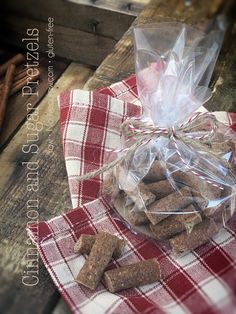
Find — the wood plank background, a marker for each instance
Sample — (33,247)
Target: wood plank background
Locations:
(125,6)
(54,195)
(70,43)
(111,24)
(78,27)
(224,80)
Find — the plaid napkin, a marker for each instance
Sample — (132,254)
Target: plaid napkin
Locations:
(90,123)
(203,281)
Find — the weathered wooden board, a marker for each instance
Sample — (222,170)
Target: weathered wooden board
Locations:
(70,43)
(88,18)
(16,110)
(224,81)
(14,257)
(53,195)
(85,33)
(124,6)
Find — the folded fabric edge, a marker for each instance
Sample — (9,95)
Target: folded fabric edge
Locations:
(227,118)
(42,231)
(130,81)
(81,96)
(38,231)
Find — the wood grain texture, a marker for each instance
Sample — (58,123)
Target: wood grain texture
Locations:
(48,112)
(16,110)
(132,7)
(224,79)
(70,43)
(87,18)
(14,196)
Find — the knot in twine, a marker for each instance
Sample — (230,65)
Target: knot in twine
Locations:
(142,133)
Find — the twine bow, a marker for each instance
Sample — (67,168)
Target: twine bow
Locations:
(142,133)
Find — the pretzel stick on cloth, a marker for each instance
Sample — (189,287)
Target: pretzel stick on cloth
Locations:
(133,275)
(98,259)
(6,91)
(86,241)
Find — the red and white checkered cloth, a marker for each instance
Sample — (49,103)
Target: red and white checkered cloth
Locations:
(203,281)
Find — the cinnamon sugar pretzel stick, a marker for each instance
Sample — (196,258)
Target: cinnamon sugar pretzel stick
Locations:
(18,75)
(200,188)
(98,259)
(86,241)
(156,172)
(16,87)
(137,218)
(200,234)
(227,198)
(176,223)
(133,275)
(170,203)
(21,82)
(161,188)
(141,196)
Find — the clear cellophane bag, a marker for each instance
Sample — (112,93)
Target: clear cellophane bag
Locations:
(178,184)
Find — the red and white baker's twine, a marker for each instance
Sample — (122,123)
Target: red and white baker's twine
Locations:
(142,133)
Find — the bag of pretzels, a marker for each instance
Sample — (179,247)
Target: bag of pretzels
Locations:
(174,178)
